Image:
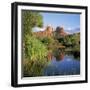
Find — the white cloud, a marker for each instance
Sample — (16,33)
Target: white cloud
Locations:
(69,29)
(36,29)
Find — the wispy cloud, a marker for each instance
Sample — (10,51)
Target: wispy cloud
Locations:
(73,30)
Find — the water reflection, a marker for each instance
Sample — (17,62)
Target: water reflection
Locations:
(63,64)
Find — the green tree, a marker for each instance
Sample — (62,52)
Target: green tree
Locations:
(31,19)
(34,51)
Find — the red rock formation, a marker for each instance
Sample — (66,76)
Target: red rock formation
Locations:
(60,31)
(46,33)
(49,32)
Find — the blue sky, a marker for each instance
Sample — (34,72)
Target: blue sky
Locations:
(67,20)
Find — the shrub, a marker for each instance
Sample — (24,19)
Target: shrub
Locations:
(34,49)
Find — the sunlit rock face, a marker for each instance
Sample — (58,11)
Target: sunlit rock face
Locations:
(45,33)
(60,31)
(48,32)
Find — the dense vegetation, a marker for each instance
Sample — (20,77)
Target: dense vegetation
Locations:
(72,44)
(34,51)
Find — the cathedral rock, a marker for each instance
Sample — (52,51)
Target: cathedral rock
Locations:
(48,32)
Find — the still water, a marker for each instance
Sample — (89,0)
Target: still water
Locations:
(67,65)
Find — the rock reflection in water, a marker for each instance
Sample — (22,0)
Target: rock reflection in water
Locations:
(63,64)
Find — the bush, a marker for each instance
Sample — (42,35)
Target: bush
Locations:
(33,68)
(34,49)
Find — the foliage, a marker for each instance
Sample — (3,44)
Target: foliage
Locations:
(35,57)
(70,40)
(34,49)
(47,40)
(31,19)
(34,68)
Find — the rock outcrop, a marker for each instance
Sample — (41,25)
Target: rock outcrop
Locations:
(60,31)
(46,33)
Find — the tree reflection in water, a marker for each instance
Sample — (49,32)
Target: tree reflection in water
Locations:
(63,63)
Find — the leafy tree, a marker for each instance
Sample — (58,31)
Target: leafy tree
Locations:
(70,40)
(34,51)
(31,19)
